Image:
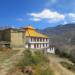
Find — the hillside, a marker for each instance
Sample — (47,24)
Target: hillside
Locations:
(61,34)
(38,63)
(63,37)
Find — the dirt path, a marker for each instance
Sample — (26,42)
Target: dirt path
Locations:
(54,63)
(58,68)
(9,63)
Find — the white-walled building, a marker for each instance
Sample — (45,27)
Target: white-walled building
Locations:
(51,49)
(23,38)
(34,39)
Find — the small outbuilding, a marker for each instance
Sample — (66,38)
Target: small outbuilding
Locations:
(51,49)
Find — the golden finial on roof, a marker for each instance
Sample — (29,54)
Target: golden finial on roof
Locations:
(29,27)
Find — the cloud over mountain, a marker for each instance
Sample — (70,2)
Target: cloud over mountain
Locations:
(47,15)
(52,16)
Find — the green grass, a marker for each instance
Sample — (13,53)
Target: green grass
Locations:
(35,58)
(38,61)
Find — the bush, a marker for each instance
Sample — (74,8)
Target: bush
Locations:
(72,54)
(35,58)
(39,57)
(57,51)
(47,72)
(62,53)
(37,61)
(26,60)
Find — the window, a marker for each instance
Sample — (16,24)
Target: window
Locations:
(43,45)
(34,45)
(46,39)
(40,39)
(43,39)
(37,39)
(40,45)
(31,39)
(46,45)
(37,46)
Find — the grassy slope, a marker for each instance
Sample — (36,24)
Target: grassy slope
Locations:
(4,55)
(57,67)
(38,62)
(8,60)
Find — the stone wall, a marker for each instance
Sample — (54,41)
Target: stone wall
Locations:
(0,35)
(17,40)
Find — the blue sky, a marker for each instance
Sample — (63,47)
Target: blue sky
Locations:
(38,13)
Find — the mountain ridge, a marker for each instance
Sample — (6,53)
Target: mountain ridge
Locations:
(61,34)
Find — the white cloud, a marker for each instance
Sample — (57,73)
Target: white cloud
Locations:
(72,16)
(50,17)
(65,22)
(47,15)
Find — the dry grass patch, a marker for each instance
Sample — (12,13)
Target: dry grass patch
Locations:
(68,66)
(6,53)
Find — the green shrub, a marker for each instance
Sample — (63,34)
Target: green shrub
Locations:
(26,60)
(39,57)
(35,58)
(48,71)
(38,61)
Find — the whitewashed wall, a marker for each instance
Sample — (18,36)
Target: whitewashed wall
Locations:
(51,50)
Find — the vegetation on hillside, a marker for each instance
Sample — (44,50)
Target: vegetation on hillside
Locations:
(63,37)
(65,54)
(61,34)
(35,63)
(69,66)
